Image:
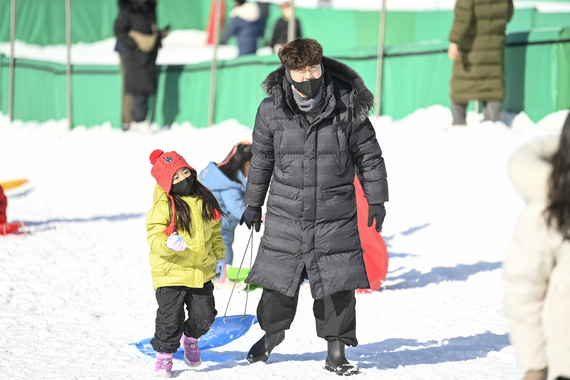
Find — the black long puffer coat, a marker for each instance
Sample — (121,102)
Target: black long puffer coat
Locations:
(309,171)
(140,67)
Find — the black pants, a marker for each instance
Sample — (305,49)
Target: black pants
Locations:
(139,106)
(335,315)
(170,322)
(126,116)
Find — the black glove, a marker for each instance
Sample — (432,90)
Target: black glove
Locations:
(377,212)
(252,217)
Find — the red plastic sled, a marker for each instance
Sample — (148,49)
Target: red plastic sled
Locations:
(375,252)
(9,228)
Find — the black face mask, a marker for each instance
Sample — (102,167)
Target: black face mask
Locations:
(185,187)
(308,88)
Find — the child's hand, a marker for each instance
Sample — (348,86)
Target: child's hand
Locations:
(220,269)
(176,243)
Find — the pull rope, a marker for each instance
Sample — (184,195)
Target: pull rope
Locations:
(249,243)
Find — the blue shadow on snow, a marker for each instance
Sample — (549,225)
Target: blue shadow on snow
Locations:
(388,354)
(383,355)
(394,255)
(392,353)
(20,194)
(112,218)
(461,272)
(405,233)
(414,229)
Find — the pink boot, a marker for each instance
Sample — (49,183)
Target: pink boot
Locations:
(191,351)
(163,367)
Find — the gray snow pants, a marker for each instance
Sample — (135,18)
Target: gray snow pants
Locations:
(491,111)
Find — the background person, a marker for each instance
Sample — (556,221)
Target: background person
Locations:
(309,134)
(227,181)
(281,28)
(537,267)
(139,41)
(477,48)
(126,117)
(247,24)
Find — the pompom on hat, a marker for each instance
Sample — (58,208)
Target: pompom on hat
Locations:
(164,165)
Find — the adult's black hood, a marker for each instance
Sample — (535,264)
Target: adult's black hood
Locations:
(363,97)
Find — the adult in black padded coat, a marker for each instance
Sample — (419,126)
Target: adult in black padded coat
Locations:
(309,135)
(139,38)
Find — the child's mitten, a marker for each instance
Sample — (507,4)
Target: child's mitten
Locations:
(176,243)
(220,269)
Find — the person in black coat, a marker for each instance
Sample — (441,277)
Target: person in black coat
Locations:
(139,41)
(309,135)
(281,28)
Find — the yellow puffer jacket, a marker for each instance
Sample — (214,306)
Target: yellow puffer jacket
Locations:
(196,264)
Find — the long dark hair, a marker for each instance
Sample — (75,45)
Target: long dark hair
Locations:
(236,159)
(183,215)
(558,209)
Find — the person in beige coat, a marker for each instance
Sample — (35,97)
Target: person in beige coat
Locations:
(537,267)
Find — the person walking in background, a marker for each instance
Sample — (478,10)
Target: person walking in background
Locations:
(126,117)
(247,25)
(309,135)
(537,267)
(138,40)
(227,181)
(281,29)
(184,233)
(477,49)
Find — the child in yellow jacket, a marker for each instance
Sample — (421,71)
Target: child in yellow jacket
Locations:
(186,252)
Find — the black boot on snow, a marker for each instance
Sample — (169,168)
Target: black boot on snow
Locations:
(260,351)
(336,361)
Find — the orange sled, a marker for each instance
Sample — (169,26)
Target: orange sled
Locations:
(11,184)
(375,252)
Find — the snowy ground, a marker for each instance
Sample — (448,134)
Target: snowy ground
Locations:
(76,290)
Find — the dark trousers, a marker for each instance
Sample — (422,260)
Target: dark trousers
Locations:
(335,315)
(170,322)
(139,106)
(126,97)
(491,111)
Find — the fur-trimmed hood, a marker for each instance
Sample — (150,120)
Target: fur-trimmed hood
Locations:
(529,168)
(340,72)
(248,11)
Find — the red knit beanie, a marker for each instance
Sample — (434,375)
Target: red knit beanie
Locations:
(164,165)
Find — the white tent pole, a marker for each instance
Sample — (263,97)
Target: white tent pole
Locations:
(11,75)
(68,69)
(381,36)
(291,25)
(213,70)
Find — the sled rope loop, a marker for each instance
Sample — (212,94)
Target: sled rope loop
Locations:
(249,245)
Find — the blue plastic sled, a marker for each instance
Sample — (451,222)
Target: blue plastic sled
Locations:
(223,331)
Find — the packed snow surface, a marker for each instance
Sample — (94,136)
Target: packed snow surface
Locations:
(76,289)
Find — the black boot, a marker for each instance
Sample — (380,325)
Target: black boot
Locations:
(262,349)
(336,361)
